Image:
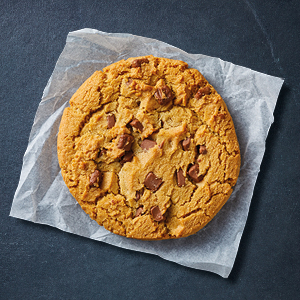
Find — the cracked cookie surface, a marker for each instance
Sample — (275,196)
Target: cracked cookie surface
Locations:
(148,149)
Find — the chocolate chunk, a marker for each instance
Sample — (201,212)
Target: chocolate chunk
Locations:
(152,182)
(125,142)
(158,95)
(164,95)
(180,178)
(101,153)
(186,144)
(202,150)
(147,144)
(111,121)
(127,157)
(138,62)
(137,124)
(128,83)
(203,91)
(156,213)
(139,194)
(193,173)
(139,211)
(96,177)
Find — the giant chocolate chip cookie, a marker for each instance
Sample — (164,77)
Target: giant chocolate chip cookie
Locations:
(148,149)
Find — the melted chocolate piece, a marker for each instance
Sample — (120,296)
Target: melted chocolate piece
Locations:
(128,83)
(202,150)
(137,124)
(203,91)
(111,121)
(125,142)
(194,173)
(138,62)
(180,178)
(147,144)
(138,195)
(156,213)
(186,144)
(139,211)
(152,182)
(127,157)
(96,177)
(164,95)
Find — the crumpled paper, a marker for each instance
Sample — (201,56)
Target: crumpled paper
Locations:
(43,197)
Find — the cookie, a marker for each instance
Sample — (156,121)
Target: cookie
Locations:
(148,149)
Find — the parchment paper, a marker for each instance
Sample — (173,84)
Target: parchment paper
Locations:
(42,196)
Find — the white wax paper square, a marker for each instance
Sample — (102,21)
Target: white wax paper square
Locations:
(43,197)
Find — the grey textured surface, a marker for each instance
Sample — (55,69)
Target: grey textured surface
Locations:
(40,262)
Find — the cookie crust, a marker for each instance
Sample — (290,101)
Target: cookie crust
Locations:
(148,149)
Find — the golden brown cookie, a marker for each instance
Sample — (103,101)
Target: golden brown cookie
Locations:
(148,149)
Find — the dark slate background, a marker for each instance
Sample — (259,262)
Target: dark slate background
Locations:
(40,262)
